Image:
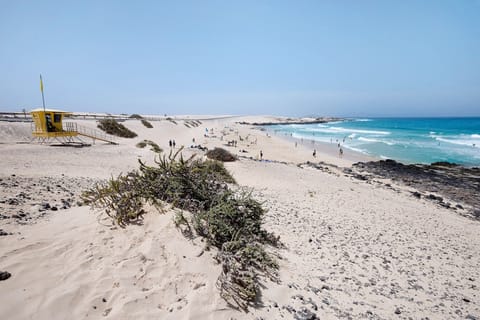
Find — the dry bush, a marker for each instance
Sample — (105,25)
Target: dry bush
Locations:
(220,154)
(153,145)
(111,126)
(229,220)
(147,124)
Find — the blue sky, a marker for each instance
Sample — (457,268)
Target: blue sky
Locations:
(295,58)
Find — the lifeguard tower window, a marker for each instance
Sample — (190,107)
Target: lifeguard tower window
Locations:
(57,117)
(50,127)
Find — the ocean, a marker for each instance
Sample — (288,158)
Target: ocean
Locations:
(407,140)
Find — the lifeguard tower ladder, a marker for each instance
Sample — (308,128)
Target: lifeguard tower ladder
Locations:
(48,125)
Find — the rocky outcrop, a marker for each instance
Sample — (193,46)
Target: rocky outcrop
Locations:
(438,180)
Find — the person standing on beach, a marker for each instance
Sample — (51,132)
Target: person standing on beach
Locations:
(173,144)
(261,155)
(314,153)
(170,143)
(340,152)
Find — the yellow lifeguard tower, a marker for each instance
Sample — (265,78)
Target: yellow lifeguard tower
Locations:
(48,125)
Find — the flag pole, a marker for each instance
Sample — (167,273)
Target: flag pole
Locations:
(41,89)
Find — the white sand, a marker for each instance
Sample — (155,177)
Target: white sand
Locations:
(352,249)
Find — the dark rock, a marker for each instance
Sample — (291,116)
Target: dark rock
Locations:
(305,314)
(397,311)
(466,300)
(457,183)
(4,275)
(471,317)
(54,208)
(289,309)
(476,213)
(434,197)
(444,164)
(417,194)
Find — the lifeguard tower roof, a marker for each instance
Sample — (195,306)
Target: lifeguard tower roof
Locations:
(49,110)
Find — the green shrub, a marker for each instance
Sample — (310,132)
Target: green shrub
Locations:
(153,145)
(121,198)
(142,144)
(111,126)
(229,220)
(220,154)
(147,124)
(171,120)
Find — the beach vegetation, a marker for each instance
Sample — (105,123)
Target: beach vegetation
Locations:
(111,126)
(171,120)
(136,116)
(225,215)
(153,145)
(147,124)
(220,154)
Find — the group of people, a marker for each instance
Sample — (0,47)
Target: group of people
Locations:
(171,143)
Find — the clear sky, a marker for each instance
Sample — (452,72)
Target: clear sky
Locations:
(295,58)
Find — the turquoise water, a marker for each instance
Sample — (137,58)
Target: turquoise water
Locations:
(408,140)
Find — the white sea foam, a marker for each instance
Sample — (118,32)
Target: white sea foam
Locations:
(356,149)
(340,129)
(458,140)
(375,140)
(308,137)
(363,120)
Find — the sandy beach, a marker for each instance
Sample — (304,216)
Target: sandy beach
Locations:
(352,248)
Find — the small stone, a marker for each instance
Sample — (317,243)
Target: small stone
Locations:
(417,194)
(104,300)
(4,275)
(106,312)
(397,311)
(466,300)
(305,314)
